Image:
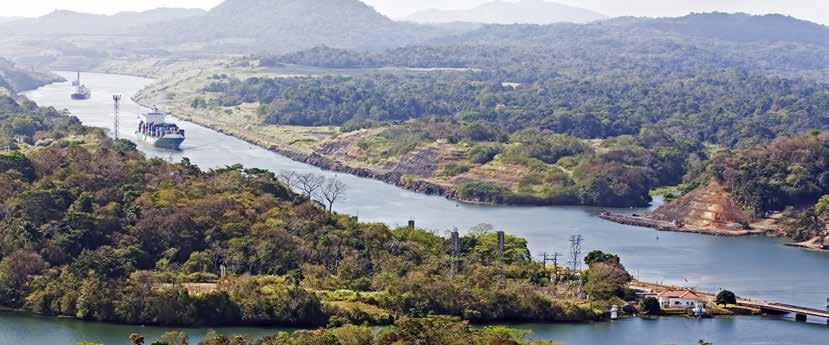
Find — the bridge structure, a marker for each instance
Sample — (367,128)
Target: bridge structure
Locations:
(800,313)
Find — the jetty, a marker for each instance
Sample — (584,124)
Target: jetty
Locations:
(661,225)
(708,209)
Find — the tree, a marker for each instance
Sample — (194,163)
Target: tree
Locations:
(125,146)
(175,338)
(136,339)
(309,184)
(726,297)
(598,256)
(199,262)
(289,178)
(18,267)
(332,190)
(354,335)
(605,280)
(478,231)
(804,225)
(822,206)
(213,338)
(651,306)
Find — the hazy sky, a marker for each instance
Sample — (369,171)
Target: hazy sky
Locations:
(814,10)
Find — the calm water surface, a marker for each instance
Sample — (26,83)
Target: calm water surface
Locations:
(756,266)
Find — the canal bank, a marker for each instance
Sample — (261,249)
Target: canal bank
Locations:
(752,266)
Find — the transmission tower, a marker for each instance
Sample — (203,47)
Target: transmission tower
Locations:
(117,100)
(575,251)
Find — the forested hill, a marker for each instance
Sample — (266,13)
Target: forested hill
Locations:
(627,47)
(15,80)
(289,25)
(590,81)
(737,27)
(625,85)
(91,229)
(744,28)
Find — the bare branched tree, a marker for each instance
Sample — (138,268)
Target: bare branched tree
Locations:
(332,190)
(309,184)
(289,178)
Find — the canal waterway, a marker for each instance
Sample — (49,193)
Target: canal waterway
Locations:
(751,266)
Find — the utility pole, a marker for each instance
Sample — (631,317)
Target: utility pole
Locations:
(554,259)
(456,246)
(501,247)
(117,100)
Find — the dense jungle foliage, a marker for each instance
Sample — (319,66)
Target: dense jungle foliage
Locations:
(90,229)
(645,101)
(787,173)
(724,108)
(652,132)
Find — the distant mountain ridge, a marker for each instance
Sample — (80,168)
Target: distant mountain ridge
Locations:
(63,22)
(744,28)
(509,12)
(738,27)
(287,25)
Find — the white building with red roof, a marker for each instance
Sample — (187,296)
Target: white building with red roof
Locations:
(680,299)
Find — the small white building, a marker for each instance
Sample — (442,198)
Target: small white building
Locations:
(680,299)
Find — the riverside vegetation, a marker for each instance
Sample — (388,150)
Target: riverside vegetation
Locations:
(90,229)
(597,114)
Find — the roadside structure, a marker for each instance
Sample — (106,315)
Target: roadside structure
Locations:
(680,299)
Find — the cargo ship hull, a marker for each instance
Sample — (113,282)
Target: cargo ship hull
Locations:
(80,96)
(167,142)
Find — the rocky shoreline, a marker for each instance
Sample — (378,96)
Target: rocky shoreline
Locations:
(817,243)
(328,164)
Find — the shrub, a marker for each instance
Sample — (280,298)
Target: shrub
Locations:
(651,306)
(726,297)
(482,154)
(454,169)
(485,192)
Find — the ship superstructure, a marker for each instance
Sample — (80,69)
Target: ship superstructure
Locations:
(81,91)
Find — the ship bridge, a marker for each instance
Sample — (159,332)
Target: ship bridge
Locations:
(155,117)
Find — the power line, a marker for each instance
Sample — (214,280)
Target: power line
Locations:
(554,259)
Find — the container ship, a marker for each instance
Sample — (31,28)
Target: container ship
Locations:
(81,92)
(155,130)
